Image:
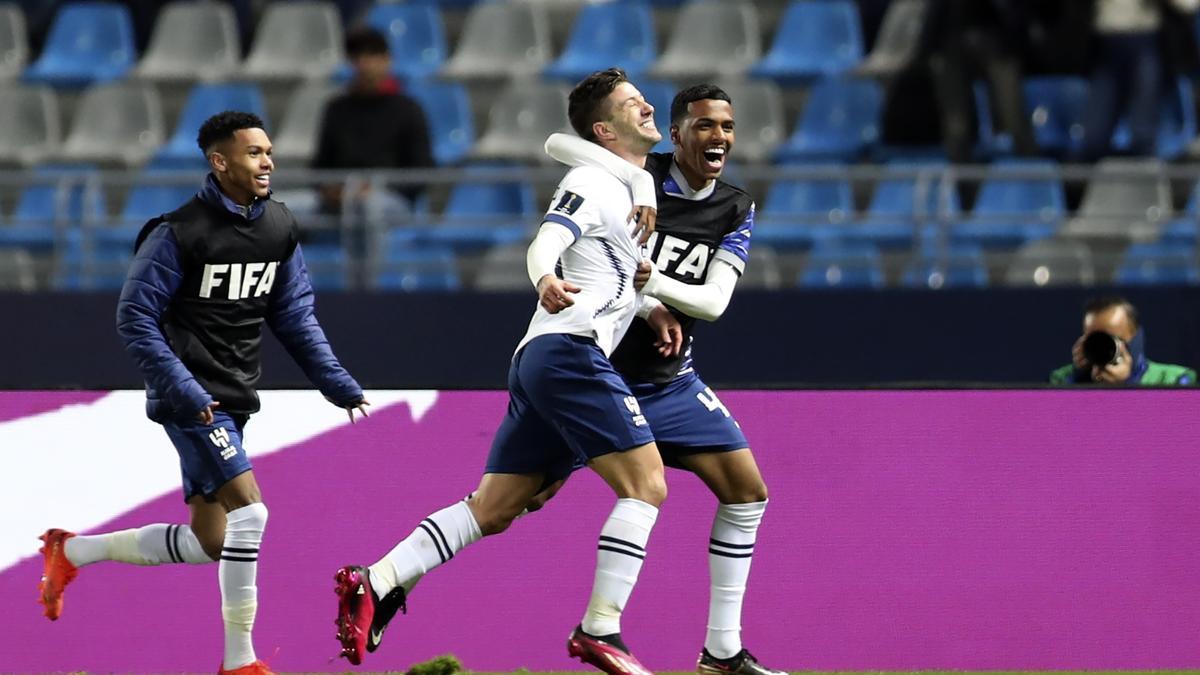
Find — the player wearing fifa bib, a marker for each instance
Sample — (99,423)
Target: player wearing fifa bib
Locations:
(567,404)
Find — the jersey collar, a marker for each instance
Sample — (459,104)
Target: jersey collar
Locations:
(677,186)
(212,194)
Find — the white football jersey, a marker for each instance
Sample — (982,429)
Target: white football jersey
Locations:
(595,206)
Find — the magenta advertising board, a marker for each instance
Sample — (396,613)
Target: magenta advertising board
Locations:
(907,530)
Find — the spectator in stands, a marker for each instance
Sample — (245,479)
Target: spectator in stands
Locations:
(373,125)
(1129,71)
(978,39)
(1112,350)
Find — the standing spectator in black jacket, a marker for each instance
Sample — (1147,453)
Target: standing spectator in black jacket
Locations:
(373,125)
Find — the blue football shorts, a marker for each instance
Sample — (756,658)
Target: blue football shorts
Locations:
(688,418)
(210,455)
(566,406)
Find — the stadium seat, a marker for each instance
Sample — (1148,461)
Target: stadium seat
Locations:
(907,203)
(88,42)
(480,214)
(327,266)
(407,268)
(797,214)
(116,123)
(503,269)
(18,271)
(296,40)
(192,41)
(81,267)
(763,271)
(760,122)
(56,200)
(1019,201)
(1158,264)
(1056,106)
(958,267)
(30,128)
(841,265)
(711,37)
(296,141)
(152,198)
(1052,262)
(1126,199)
(604,35)
(204,101)
(814,39)
(448,111)
(415,35)
(1177,122)
(840,121)
(14,42)
(524,114)
(898,40)
(501,40)
(660,94)
(1183,231)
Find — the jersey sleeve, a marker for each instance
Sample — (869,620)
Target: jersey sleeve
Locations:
(735,247)
(576,202)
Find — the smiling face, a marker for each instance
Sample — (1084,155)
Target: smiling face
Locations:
(703,139)
(243,165)
(630,123)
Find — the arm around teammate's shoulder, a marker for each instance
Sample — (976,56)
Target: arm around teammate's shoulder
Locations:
(154,278)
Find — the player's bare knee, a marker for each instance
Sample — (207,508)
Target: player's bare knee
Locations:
(211,543)
(492,518)
(652,490)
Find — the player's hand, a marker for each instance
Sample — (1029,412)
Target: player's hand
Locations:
(554,294)
(667,329)
(1077,356)
(361,407)
(1117,373)
(644,217)
(644,269)
(206,415)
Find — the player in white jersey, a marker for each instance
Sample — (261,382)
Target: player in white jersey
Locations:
(567,404)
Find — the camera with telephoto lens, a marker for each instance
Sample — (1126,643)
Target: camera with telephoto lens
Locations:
(1102,349)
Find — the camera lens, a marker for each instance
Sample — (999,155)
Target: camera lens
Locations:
(1100,348)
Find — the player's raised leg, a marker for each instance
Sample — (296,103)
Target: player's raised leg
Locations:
(368,597)
(738,485)
(636,476)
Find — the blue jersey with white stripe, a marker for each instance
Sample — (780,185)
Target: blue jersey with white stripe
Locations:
(693,228)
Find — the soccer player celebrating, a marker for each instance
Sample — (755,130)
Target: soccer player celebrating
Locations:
(699,250)
(204,279)
(567,405)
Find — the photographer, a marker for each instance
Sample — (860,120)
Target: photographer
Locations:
(1112,351)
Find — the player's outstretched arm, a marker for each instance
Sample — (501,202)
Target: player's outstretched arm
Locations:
(574,151)
(153,279)
(706,301)
(292,318)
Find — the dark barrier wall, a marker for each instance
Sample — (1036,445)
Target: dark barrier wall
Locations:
(765,339)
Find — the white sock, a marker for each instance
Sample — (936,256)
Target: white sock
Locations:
(157,544)
(434,542)
(238,575)
(729,553)
(619,559)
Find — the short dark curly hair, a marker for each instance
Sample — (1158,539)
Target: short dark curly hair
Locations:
(586,104)
(221,127)
(696,92)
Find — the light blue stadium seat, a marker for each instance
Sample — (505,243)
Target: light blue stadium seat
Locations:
(1177,122)
(1184,230)
(416,37)
(55,203)
(78,268)
(204,101)
(1019,201)
(405,267)
(149,200)
(1056,106)
(479,215)
(798,214)
(841,265)
(327,266)
(606,35)
(814,39)
(1158,264)
(88,42)
(840,121)
(959,267)
(448,111)
(898,212)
